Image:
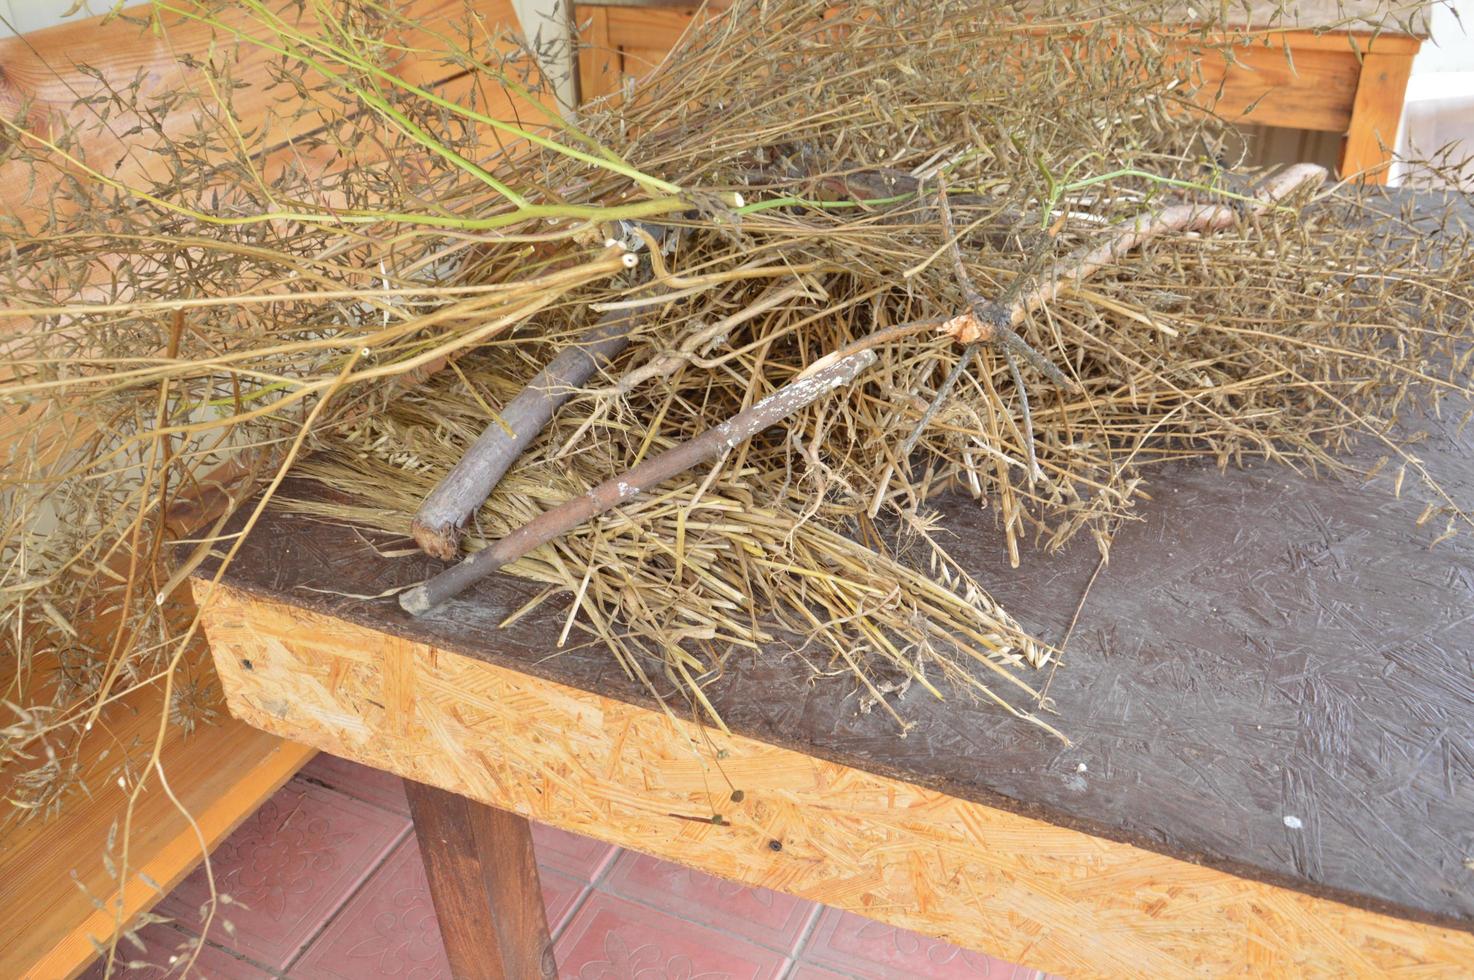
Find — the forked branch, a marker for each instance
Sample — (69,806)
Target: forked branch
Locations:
(989,322)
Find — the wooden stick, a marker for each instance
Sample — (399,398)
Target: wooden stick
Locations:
(437,525)
(996,323)
(1130,234)
(820,379)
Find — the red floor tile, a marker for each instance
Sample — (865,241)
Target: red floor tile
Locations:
(288,869)
(807,971)
(382,789)
(388,929)
(614,939)
(765,917)
(579,857)
(560,896)
(860,947)
(167,950)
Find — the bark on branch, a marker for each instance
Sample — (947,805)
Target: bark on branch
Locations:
(437,525)
(969,327)
(820,379)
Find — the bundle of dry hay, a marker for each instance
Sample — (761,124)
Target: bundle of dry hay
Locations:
(929,182)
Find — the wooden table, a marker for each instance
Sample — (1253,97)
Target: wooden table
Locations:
(1347,82)
(1270,693)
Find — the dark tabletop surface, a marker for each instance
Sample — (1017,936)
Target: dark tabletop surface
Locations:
(1274,675)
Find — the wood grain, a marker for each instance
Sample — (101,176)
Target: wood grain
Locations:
(484,883)
(1028,891)
(221,773)
(51,70)
(1375,114)
(599,60)
(1310,89)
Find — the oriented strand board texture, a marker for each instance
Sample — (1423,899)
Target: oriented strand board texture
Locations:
(1019,888)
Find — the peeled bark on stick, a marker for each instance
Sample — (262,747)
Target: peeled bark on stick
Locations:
(820,379)
(437,525)
(970,328)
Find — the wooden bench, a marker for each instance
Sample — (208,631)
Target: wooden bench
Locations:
(1351,83)
(58,895)
(1269,695)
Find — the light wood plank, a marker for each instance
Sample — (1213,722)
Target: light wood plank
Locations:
(41,71)
(976,875)
(1311,89)
(1375,115)
(599,61)
(220,774)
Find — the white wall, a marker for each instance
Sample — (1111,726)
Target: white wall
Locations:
(1451,44)
(1439,110)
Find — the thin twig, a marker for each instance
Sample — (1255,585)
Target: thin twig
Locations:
(1023,396)
(996,315)
(1070,631)
(819,380)
(996,322)
(1129,234)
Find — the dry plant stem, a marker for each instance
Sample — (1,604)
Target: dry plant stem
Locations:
(802,391)
(990,322)
(437,525)
(1130,234)
(995,317)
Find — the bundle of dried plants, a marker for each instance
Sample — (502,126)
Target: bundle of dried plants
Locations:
(1018,254)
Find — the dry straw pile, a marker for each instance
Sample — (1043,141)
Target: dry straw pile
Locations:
(1035,255)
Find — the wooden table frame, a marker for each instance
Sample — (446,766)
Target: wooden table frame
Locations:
(484,884)
(1351,83)
(979,876)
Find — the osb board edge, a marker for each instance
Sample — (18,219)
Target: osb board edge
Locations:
(1129,905)
(372,619)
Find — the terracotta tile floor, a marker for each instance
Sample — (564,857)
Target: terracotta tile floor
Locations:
(325,881)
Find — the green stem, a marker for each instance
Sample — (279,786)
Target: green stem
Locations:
(350,60)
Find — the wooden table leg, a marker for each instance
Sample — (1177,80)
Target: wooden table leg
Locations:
(483,880)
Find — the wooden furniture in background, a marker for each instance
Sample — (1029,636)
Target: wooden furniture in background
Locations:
(1334,82)
(40,73)
(223,771)
(53,869)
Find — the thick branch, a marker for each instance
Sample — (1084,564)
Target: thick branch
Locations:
(437,524)
(1130,234)
(819,380)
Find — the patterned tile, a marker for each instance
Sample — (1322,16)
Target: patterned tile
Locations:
(287,869)
(808,971)
(767,918)
(614,939)
(389,929)
(382,789)
(579,857)
(166,949)
(870,950)
(560,896)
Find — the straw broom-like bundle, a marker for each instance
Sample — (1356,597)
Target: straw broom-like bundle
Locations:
(833,173)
